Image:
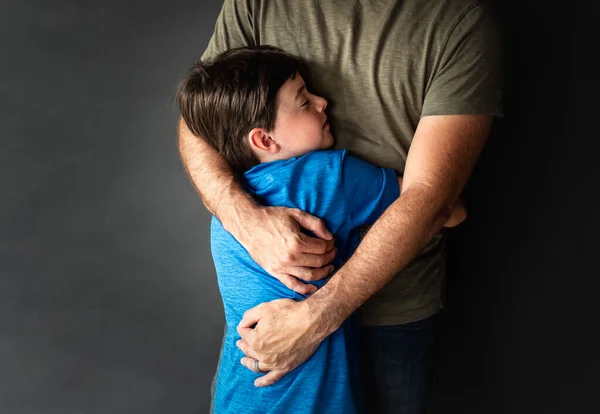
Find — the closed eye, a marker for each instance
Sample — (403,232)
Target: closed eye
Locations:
(304,104)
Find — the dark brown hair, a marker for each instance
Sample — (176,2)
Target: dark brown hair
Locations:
(223,99)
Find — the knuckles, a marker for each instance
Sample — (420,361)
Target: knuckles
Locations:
(287,258)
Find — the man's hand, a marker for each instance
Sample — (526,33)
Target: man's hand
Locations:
(273,236)
(283,338)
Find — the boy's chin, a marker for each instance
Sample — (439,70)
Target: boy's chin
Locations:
(328,144)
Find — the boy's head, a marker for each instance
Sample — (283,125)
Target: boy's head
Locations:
(251,104)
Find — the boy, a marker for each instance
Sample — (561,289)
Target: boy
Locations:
(252,105)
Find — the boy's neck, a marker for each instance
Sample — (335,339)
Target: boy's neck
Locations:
(268,157)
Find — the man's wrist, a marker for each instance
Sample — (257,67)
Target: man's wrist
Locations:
(239,211)
(326,315)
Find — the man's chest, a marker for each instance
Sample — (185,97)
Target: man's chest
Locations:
(371,60)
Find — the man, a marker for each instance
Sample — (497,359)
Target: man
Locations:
(413,86)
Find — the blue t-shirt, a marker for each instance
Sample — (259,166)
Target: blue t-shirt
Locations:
(346,193)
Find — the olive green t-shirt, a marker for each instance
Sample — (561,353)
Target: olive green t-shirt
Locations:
(382,65)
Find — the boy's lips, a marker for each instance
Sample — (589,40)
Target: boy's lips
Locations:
(326,124)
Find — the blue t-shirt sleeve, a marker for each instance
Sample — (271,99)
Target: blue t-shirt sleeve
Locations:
(368,189)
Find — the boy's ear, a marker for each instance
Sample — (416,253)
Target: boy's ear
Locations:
(261,140)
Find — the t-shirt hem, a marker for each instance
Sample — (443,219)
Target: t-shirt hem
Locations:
(401,318)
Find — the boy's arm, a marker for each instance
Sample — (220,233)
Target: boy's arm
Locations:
(272,235)
(457,215)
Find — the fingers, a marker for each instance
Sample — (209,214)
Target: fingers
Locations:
(310,274)
(251,365)
(313,245)
(297,286)
(312,223)
(248,363)
(311,260)
(250,318)
(249,352)
(270,378)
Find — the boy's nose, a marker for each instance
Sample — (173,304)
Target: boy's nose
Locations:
(323,104)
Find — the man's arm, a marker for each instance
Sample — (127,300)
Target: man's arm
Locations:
(272,235)
(213,178)
(444,150)
(441,158)
(455,215)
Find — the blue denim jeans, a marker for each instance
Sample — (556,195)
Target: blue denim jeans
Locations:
(397,366)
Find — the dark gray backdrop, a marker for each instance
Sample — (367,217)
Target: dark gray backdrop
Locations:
(108,298)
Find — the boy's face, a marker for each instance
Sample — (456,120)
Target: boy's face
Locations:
(301,125)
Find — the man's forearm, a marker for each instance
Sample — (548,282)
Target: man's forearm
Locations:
(214,179)
(442,156)
(390,245)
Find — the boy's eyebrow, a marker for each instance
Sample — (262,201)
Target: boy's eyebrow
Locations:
(300,91)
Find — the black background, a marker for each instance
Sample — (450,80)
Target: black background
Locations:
(108,298)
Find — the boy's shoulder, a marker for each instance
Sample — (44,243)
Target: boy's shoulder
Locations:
(320,156)
(320,166)
(315,161)
(338,161)
(314,175)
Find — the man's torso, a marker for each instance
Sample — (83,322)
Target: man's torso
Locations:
(376,62)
